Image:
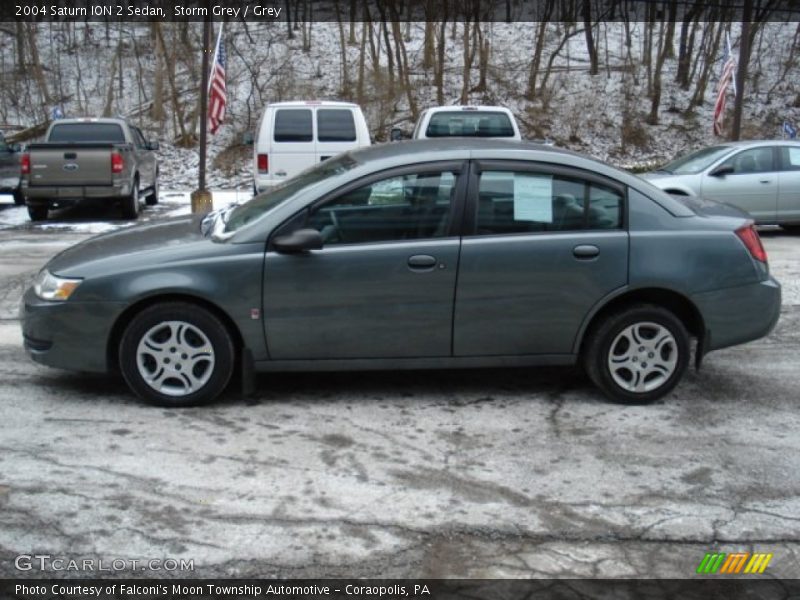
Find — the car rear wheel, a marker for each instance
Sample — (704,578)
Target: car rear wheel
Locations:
(130,205)
(37,213)
(176,354)
(638,355)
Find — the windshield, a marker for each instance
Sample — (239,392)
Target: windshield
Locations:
(266,201)
(696,161)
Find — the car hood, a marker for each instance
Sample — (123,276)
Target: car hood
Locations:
(156,240)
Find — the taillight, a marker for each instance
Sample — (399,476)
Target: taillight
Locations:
(263,163)
(25,164)
(752,242)
(117,164)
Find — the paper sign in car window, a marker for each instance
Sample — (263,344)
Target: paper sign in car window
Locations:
(533,198)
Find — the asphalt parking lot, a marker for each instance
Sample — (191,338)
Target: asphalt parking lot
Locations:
(481,473)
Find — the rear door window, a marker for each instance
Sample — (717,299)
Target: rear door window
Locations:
(511,202)
(293,125)
(335,125)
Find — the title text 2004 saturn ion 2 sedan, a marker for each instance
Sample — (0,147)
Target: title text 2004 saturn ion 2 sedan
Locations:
(450,253)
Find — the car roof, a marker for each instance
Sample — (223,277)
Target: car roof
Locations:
(754,143)
(450,147)
(305,103)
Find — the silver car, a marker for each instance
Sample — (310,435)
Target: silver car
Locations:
(760,177)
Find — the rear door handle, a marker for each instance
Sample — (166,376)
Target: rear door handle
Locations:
(586,251)
(422,262)
(766,181)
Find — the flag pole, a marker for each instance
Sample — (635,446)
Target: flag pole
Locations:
(201,198)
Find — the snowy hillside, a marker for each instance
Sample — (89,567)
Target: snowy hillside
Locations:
(604,115)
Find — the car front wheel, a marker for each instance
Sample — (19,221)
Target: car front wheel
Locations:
(638,355)
(176,354)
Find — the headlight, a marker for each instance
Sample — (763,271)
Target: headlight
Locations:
(49,287)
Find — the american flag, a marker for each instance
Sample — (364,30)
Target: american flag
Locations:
(217,97)
(728,68)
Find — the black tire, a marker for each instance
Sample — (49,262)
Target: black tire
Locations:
(152,198)
(664,341)
(19,199)
(37,212)
(179,378)
(130,205)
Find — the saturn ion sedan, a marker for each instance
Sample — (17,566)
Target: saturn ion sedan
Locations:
(420,254)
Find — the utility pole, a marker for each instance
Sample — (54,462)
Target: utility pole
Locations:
(201,198)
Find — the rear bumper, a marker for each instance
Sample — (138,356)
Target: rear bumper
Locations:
(741,314)
(50,195)
(68,335)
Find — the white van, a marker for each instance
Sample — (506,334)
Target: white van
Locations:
(293,136)
(469,121)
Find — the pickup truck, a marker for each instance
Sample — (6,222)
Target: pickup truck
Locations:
(89,159)
(9,170)
(464,121)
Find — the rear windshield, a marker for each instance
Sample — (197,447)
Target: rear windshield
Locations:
(293,125)
(470,124)
(87,132)
(335,125)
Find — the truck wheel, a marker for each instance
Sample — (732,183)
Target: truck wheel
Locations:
(637,355)
(176,354)
(152,198)
(19,199)
(130,205)
(37,213)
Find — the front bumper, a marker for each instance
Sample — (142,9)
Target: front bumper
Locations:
(68,335)
(741,314)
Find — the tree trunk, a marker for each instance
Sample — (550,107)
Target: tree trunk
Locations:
(591,47)
(666,50)
(741,70)
(538,49)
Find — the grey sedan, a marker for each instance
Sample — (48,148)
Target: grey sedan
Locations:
(760,177)
(423,254)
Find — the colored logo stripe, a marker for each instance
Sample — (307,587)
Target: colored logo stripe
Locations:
(734,563)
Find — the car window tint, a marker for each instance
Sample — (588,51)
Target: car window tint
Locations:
(523,202)
(335,125)
(293,125)
(404,207)
(790,159)
(470,124)
(754,160)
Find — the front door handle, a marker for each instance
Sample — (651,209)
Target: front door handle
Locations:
(586,251)
(765,181)
(421,262)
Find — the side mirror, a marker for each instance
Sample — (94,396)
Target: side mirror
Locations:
(301,240)
(721,171)
(152,145)
(247,139)
(396,134)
